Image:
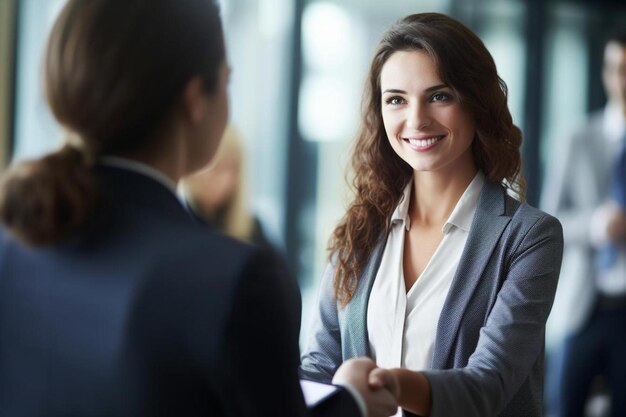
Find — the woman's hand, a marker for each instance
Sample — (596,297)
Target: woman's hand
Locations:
(380,402)
(384,378)
(410,389)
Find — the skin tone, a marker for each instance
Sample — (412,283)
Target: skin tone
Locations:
(431,131)
(614,79)
(193,134)
(380,400)
(614,74)
(208,116)
(223,176)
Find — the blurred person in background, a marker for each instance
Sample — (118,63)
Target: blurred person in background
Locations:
(590,308)
(436,271)
(217,193)
(113,300)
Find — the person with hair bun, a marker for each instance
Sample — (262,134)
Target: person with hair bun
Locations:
(114,301)
(439,271)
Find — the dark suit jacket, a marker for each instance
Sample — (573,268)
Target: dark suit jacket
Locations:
(147,313)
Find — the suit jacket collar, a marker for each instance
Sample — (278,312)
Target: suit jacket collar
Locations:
(492,215)
(124,186)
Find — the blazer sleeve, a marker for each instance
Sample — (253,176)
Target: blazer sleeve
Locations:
(339,404)
(258,362)
(260,353)
(323,356)
(512,339)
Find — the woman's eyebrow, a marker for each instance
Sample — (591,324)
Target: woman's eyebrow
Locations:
(394,91)
(436,87)
(428,90)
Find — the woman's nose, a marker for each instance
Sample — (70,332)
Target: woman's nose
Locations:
(418,117)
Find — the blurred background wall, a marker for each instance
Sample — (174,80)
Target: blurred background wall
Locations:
(298,70)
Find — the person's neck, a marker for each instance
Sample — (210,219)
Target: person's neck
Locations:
(436,194)
(167,156)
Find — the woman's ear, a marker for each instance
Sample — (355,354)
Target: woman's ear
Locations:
(194,100)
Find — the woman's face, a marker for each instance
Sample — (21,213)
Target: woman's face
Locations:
(614,73)
(217,112)
(210,116)
(425,123)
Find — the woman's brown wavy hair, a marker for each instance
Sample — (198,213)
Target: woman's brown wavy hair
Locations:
(380,175)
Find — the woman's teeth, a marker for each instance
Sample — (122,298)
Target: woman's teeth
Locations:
(424,142)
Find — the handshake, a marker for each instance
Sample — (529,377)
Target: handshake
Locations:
(379,388)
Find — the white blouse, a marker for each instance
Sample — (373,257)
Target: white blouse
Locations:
(402,326)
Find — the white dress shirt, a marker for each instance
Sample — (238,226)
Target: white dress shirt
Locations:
(402,325)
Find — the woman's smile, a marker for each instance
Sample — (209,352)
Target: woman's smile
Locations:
(426,123)
(423,143)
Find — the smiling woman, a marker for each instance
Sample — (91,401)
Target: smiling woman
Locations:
(432,131)
(427,125)
(436,271)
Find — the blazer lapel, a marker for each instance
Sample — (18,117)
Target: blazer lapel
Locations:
(489,222)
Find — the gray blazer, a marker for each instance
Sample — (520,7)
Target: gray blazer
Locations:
(576,185)
(489,346)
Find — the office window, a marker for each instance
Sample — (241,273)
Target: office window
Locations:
(502,33)
(7,55)
(566,69)
(258,36)
(36,131)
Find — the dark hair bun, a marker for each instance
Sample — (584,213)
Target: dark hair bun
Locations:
(45,200)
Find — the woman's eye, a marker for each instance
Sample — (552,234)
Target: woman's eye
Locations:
(440,97)
(394,101)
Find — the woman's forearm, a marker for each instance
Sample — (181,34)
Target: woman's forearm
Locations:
(414,391)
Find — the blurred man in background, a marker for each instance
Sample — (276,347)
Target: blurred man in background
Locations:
(590,306)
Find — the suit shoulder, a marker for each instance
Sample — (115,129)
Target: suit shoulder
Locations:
(527,218)
(527,212)
(207,246)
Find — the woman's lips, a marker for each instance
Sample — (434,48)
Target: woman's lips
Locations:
(423,143)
